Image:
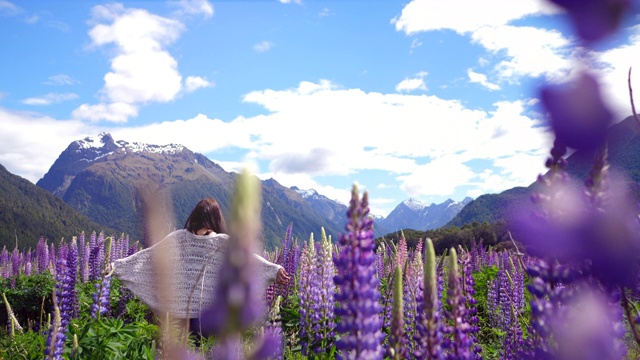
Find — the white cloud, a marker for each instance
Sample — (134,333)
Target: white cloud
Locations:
(613,71)
(30,143)
(194,7)
(50,98)
(526,51)
(290,1)
(519,50)
(263,46)
(326,120)
(464,16)
(114,112)
(481,79)
(61,79)
(142,70)
(193,83)
(411,84)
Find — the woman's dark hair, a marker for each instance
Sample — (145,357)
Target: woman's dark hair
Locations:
(208,215)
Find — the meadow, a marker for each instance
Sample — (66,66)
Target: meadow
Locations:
(569,291)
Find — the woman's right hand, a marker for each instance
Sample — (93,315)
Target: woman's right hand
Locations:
(282,277)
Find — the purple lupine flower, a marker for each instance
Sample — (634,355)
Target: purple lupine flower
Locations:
(272,345)
(357,298)
(411,289)
(288,258)
(402,253)
(72,273)
(325,326)
(595,19)
(5,264)
(397,347)
(52,258)
(428,328)
(101,303)
(65,286)
(84,263)
(42,255)
(578,114)
(460,345)
(237,303)
(513,342)
(94,249)
(469,292)
(307,287)
(548,295)
(54,345)
(592,327)
(16,262)
(61,309)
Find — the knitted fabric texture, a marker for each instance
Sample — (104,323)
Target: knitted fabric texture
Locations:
(188,256)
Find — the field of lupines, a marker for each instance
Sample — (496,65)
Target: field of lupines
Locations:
(570,291)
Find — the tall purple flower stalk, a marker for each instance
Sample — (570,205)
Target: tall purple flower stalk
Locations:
(470,302)
(72,272)
(324,337)
(237,303)
(316,295)
(357,297)
(5,265)
(459,345)
(308,296)
(42,255)
(428,328)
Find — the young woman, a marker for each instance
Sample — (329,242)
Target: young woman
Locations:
(178,275)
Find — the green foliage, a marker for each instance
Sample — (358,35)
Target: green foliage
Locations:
(452,237)
(489,337)
(28,345)
(109,338)
(28,298)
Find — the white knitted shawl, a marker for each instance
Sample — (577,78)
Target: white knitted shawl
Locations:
(187,254)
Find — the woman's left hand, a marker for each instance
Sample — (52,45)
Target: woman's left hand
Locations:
(282,277)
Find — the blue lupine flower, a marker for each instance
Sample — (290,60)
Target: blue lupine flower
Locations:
(358,295)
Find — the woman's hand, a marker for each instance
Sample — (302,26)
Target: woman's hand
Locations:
(282,277)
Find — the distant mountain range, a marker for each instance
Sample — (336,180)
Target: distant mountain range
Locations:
(623,141)
(417,215)
(101,181)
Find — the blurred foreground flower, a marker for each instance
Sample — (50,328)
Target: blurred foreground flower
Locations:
(595,19)
(578,115)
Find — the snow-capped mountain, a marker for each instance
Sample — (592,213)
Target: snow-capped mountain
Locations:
(417,215)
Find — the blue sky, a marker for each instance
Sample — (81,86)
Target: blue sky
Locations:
(424,99)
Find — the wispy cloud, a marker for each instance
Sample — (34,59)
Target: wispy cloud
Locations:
(50,98)
(290,1)
(481,79)
(263,46)
(193,83)
(194,7)
(61,79)
(325,12)
(9,9)
(465,16)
